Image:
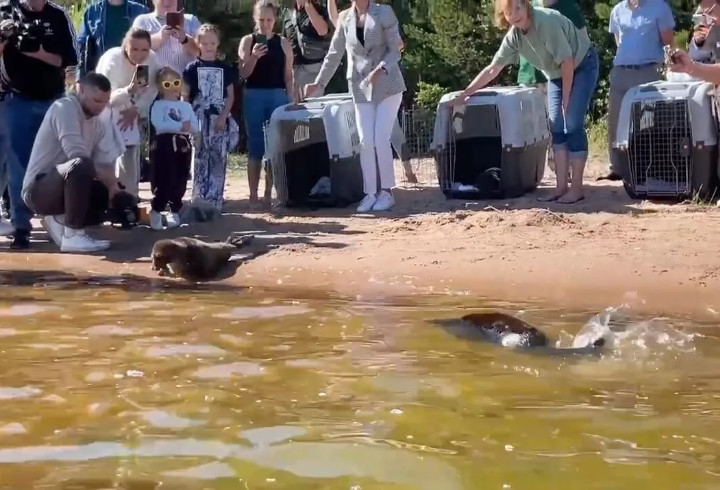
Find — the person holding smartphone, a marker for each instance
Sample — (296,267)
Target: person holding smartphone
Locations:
(266,64)
(131,69)
(172,34)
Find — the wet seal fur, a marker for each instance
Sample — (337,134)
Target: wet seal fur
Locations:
(193,259)
(512,332)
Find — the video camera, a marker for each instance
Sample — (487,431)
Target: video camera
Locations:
(26,36)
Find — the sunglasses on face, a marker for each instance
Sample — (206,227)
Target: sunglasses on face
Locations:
(171,83)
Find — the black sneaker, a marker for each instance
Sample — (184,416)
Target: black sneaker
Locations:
(21,240)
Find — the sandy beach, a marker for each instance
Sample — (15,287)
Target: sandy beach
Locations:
(600,252)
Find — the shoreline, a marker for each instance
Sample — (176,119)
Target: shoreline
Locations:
(607,250)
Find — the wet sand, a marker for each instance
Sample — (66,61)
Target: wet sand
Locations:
(597,253)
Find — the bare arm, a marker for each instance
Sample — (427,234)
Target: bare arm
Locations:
(333,12)
(487,75)
(317,21)
(707,72)
(229,101)
(667,37)
(567,68)
(247,59)
(289,76)
(190,47)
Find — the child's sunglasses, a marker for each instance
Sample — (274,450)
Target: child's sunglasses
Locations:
(171,83)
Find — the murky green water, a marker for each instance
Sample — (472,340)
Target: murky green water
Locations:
(129,387)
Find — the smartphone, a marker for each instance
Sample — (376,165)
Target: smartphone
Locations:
(175,20)
(142,74)
(261,38)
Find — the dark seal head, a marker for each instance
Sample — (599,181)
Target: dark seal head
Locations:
(500,328)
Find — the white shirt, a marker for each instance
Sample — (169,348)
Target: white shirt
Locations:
(171,52)
(118,69)
(67,133)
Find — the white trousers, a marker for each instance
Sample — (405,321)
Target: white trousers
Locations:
(375,124)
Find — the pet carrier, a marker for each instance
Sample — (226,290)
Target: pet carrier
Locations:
(666,140)
(314,151)
(493,147)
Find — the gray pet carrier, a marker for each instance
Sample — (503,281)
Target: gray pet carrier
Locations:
(314,151)
(493,147)
(666,140)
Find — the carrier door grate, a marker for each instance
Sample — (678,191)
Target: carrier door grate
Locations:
(416,128)
(660,148)
(275,165)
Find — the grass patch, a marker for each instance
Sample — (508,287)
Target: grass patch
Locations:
(597,137)
(237,164)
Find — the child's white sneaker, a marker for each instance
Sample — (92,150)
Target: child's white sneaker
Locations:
(385,201)
(366,204)
(156,221)
(173,220)
(80,242)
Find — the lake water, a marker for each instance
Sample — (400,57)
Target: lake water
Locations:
(127,385)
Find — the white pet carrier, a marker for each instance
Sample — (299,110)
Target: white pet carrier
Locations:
(666,140)
(494,146)
(314,151)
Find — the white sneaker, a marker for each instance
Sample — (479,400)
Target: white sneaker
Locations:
(55,227)
(6,228)
(173,220)
(156,222)
(79,241)
(384,202)
(366,204)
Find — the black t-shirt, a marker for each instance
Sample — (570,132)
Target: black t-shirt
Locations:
(31,77)
(209,79)
(306,28)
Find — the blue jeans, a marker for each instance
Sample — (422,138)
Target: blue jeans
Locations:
(4,149)
(23,118)
(258,106)
(568,130)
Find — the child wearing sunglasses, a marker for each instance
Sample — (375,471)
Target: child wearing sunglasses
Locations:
(209,88)
(173,123)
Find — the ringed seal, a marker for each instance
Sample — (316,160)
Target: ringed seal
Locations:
(193,259)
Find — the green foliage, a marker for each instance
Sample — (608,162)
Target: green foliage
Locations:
(428,95)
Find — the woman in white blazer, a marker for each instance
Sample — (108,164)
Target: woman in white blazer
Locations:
(130,100)
(369,33)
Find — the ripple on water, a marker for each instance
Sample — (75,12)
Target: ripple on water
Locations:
(27,309)
(221,371)
(7,393)
(244,312)
(210,471)
(110,330)
(264,436)
(165,420)
(185,350)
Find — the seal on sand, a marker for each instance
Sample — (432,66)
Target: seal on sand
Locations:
(509,331)
(193,259)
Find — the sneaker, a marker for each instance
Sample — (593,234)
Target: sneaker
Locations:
(79,241)
(55,226)
(366,204)
(384,202)
(6,228)
(21,239)
(156,222)
(173,220)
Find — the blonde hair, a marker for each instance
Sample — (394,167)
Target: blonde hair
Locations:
(504,6)
(165,73)
(264,4)
(207,29)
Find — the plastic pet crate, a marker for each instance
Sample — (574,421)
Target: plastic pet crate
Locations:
(666,141)
(313,149)
(493,147)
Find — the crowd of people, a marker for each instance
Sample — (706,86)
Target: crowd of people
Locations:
(150,74)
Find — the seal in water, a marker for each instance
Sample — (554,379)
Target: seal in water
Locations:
(193,259)
(509,331)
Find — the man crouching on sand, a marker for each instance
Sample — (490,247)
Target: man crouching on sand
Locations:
(73,160)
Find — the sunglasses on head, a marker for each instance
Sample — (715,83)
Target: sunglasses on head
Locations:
(171,83)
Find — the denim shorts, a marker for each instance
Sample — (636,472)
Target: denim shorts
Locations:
(568,130)
(258,106)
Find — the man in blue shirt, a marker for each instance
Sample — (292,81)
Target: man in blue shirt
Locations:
(641,29)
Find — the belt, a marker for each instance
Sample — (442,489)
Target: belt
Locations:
(639,67)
